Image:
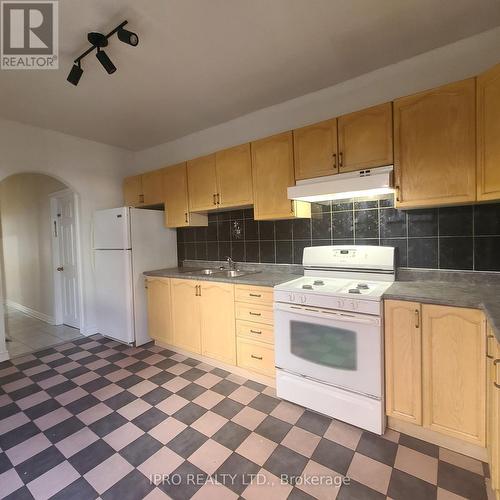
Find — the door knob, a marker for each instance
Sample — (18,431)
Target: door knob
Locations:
(61,268)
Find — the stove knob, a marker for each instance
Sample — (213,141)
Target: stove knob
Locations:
(292,297)
(354,305)
(303,299)
(340,304)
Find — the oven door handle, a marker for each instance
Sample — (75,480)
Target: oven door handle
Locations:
(321,313)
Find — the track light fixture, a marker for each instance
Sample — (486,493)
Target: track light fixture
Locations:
(98,41)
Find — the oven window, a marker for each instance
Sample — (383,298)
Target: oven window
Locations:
(324,345)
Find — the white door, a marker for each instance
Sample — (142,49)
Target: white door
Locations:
(341,349)
(112,229)
(114,299)
(65,232)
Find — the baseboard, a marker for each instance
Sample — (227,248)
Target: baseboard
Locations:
(87,331)
(449,442)
(262,379)
(31,312)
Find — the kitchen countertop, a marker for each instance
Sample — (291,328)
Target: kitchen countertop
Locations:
(259,278)
(474,290)
(473,295)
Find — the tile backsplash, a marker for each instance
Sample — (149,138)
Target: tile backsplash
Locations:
(462,238)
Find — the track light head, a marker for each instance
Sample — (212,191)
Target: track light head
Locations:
(105,61)
(97,39)
(128,37)
(75,74)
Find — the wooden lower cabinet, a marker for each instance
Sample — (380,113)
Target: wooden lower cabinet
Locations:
(493,410)
(218,339)
(403,360)
(186,315)
(159,309)
(435,368)
(454,372)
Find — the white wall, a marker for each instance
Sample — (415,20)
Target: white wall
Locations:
(453,62)
(91,169)
(26,241)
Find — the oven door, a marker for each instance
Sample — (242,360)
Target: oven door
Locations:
(340,349)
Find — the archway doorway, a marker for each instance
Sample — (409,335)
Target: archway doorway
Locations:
(39,256)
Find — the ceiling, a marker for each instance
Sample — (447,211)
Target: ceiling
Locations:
(203,62)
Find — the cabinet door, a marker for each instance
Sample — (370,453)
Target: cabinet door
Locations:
(152,188)
(488,132)
(202,184)
(493,408)
(272,172)
(176,199)
(234,177)
(435,146)
(454,371)
(403,361)
(365,139)
(186,314)
(315,150)
(218,336)
(159,312)
(132,191)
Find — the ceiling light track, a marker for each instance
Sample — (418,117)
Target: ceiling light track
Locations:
(98,41)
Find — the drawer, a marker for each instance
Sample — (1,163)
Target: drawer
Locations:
(256,356)
(255,331)
(254,294)
(255,313)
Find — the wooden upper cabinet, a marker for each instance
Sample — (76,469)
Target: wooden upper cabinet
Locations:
(159,311)
(403,360)
(272,172)
(454,371)
(488,134)
(315,150)
(365,139)
(435,146)
(234,176)
(132,191)
(175,190)
(202,183)
(152,188)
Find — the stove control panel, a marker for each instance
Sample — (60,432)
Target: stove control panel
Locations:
(329,302)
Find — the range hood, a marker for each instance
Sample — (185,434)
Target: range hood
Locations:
(349,185)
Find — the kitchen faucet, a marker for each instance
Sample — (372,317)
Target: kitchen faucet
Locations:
(231,263)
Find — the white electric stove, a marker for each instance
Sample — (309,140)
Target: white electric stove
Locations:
(329,336)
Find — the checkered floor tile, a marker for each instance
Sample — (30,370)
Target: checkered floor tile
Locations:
(93,418)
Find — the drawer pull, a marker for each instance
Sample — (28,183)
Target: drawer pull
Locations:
(255,295)
(254,314)
(256,331)
(256,357)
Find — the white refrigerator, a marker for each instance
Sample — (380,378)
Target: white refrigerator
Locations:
(127,242)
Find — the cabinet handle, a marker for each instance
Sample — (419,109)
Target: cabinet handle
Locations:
(218,199)
(495,363)
(334,160)
(397,193)
(256,357)
(257,332)
(253,314)
(417,318)
(198,291)
(292,207)
(186,217)
(215,199)
(255,295)
(341,159)
(488,337)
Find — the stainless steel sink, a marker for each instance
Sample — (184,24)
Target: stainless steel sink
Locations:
(207,271)
(235,273)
